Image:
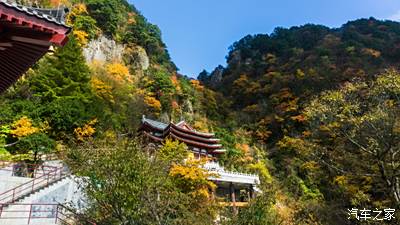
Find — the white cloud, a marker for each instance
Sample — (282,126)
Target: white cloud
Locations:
(395,17)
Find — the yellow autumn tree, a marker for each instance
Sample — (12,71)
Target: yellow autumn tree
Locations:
(119,73)
(86,131)
(102,89)
(192,178)
(77,10)
(23,127)
(201,124)
(173,151)
(153,103)
(81,37)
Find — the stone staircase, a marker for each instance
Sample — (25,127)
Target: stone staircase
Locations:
(40,200)
(23,212)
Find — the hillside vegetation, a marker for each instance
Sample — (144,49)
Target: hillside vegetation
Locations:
(322,104)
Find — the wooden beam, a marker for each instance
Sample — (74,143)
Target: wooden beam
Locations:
(30,41)
(6,44)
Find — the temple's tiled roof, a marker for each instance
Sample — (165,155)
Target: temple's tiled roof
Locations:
(56,16)
(192,131)
(155,124)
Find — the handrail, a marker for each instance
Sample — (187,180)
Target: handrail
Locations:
(15,193)
(215,167)
(52,212)
(33,168)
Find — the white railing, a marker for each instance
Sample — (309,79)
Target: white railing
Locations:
(229,176)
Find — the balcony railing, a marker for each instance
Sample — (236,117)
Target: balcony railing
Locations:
(228,176)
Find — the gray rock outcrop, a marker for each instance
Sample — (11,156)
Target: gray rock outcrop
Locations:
(103,49)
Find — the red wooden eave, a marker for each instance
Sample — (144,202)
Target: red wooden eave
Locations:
(25,36)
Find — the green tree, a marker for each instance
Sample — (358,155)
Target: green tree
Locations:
(62,74)
(126,186)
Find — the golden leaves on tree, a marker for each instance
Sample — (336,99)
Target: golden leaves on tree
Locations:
(193,179)
(119,72)
(102,89)
(81,36)
(153,103)
(86,131)
(23,127)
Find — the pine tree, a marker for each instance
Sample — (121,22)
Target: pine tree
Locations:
(63,74)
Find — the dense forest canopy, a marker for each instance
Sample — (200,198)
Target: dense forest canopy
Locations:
(312,110)
(314,100)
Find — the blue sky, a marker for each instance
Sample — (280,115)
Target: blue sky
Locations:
(199,32)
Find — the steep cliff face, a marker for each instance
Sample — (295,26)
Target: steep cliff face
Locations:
(103,49)
(137,57)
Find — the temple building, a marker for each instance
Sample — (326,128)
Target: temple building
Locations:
(26,34)
(201,144)
(234,188)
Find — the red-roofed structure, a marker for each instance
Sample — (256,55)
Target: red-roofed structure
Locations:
(200,143)
(26,34)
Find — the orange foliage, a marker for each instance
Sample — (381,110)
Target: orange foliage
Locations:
(175,105)
(131,18)
(245,149)
(196,84)
(153,103)
(56,3)
(371,52)
(299,118)
(242,82)
(306,133)
(262,133)
(176,83)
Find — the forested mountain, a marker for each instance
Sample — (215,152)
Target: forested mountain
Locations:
(269,76)
(318,102)
(314,111)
